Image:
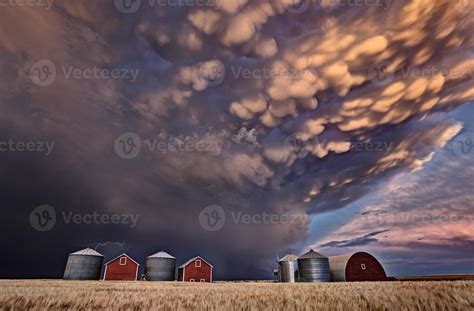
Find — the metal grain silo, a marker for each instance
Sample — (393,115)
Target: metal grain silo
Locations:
(313,267)
(85,264)
(288,269)
(160,267)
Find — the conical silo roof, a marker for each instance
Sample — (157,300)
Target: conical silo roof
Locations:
(311,255)
(87,252)
(161,254)
(289,257)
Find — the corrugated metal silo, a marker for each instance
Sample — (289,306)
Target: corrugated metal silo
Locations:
(337,267)
(160,267)
(288,269)
(85,264)
(313,267)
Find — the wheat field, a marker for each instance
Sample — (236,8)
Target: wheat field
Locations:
(88,295)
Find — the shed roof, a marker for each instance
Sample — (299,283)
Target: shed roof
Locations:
(161,254)
(194,258)
(311,255)
(122,256)
(87,252)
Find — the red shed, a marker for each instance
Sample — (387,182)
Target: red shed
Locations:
(195,270)
(356,267)
(121,268)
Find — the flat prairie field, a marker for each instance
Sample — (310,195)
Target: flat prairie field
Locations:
(89,295)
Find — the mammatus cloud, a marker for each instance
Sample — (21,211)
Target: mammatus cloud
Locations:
(299,100)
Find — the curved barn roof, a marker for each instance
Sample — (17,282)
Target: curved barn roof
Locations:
(161,254)
(311,255)
(338,265)
(345,257)
(87,252)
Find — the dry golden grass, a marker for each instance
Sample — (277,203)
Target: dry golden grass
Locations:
(39,294)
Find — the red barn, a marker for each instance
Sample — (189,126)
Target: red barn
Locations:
(121,268)
(356,267)
(195,270)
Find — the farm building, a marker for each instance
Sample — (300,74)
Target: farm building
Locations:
(288,269)
(195,270)
(160,267)
(121,268)
(313,267)
(356,267)
(85,264)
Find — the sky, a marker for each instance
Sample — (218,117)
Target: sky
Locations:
(238,131)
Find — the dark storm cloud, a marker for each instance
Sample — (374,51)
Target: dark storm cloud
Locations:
(327,101)
(359,241)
